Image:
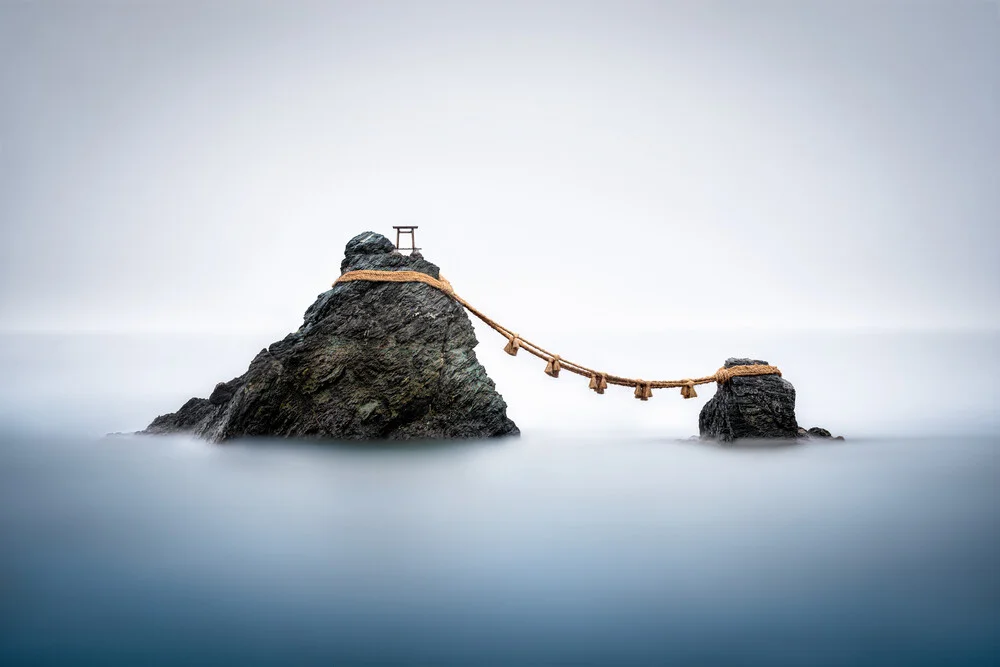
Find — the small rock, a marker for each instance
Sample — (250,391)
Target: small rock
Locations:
(757,406)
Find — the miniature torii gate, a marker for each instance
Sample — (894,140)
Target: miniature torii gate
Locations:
(406,229)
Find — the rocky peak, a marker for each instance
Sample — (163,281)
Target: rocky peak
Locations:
(371,251)
(371,361)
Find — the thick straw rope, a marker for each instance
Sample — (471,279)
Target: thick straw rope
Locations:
(554,363)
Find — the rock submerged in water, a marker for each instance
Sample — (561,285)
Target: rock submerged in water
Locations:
(754,407)
(817,433)
(750,407)
(371,361)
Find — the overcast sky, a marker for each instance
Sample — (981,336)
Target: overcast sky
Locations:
(200,165)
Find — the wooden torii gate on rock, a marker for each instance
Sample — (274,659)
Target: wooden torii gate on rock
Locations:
(402,230)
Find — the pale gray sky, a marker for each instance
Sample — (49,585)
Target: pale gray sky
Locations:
(639,165)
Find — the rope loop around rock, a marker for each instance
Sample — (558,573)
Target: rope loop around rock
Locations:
(372,275)
(724,375)
(599,381)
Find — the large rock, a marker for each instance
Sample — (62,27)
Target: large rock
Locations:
(370,361)
(758,406)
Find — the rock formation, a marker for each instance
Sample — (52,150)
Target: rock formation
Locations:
(817,433)
(759,406)
(370,361)
(754,407)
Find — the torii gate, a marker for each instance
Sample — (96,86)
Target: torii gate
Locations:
(406,229)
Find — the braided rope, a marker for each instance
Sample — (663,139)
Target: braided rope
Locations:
(599,380)
(396,277)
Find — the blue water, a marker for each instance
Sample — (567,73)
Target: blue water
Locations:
(566,546)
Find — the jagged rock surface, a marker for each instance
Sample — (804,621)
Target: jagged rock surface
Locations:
(759,406)
(370,361)
(817,433)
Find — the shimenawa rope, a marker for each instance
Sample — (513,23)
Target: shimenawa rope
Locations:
(599,380)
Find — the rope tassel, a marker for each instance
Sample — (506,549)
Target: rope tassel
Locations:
(687,391)
(553,367)
(513,345)
(598,382)
(643,390)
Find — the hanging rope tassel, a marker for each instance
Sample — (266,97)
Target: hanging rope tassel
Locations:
(513,345)
(553,367)
(643,391)
(687,391)
(598,382)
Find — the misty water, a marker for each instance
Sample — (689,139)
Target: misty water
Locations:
(601,536)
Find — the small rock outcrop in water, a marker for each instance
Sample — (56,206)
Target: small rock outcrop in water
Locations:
(817,433)
(757,406)
(370,361)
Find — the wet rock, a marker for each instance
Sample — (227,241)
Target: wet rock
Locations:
(370,361)
(759,406)
(817,433)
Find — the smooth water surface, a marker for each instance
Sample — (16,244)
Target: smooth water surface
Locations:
(565,546)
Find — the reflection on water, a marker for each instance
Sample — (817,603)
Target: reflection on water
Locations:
(564,546)
(589,550)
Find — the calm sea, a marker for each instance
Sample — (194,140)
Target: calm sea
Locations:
(600,537)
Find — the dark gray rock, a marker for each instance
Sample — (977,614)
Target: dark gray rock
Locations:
(817,433)
(369,243)
(369,251)
(760,406)
(370,361)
